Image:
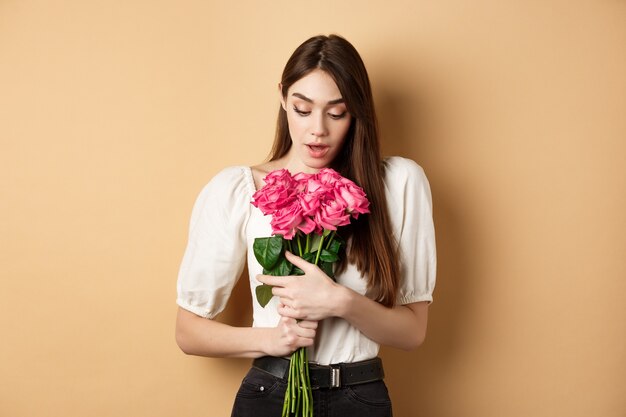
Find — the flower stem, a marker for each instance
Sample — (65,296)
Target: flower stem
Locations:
(332,236)
(290,246)
(299,245)
(308,243)
(286,407)
(319,249)
(292,378)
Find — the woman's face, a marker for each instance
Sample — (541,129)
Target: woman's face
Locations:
(318,121)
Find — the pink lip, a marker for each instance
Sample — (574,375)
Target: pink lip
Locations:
(317,150)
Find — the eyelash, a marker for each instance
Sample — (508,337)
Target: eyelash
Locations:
(306,113)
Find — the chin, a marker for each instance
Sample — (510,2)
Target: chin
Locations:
(318,164)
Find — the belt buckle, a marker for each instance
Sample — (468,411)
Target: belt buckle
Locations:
(335,377)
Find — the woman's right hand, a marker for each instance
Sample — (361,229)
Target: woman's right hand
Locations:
(289,335)
(203,337)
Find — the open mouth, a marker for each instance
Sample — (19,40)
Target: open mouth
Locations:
(317,151)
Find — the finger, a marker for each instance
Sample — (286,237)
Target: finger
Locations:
(308,324)
(272,280)
(286,320)
(305,342)
(297,261)
(306,333)
(288,312)
(280,292)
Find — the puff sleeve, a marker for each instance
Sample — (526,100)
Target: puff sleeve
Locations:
(410,208)
(216,250)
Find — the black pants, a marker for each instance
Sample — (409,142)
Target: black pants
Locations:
(262,395)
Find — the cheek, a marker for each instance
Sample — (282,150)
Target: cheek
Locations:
(296,122)
(296,125)
(342,130)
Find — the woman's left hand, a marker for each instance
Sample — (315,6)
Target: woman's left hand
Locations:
(312,296)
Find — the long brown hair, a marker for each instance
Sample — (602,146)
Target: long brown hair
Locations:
(373,248)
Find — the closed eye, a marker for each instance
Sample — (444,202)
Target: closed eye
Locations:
(301,112)
(338,116)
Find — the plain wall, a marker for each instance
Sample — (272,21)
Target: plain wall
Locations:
(114,114)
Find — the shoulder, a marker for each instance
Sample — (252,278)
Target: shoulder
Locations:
(230,175)
(228,178)
(228,187)
(400,170)
(224,202)
(406,185)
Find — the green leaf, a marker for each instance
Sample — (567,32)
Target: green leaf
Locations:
(315,242)
(328,256)
(263,294)
(327,267)
(335,246)
(326,232)
(267,250)
(281,269)
(297,271)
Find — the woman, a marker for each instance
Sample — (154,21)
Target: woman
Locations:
(382,291)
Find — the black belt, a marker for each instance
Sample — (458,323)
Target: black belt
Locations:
(327,376)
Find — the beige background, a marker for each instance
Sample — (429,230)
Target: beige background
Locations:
(114,114)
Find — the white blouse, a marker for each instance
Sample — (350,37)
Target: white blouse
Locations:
(224,225)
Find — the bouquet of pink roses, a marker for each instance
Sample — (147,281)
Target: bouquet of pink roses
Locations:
(306,211)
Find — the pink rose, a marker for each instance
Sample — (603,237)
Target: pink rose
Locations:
(271,198)
(307,225)
(310,203)
(301,179)
(332,214)
(314,186)
(328,176)
(278,192)
(286,220)
(354,197)
(280,177)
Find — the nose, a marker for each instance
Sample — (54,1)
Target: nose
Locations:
(318,127)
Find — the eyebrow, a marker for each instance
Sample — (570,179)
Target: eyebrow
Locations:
(305,98)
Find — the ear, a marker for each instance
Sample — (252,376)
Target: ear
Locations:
(282,99)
